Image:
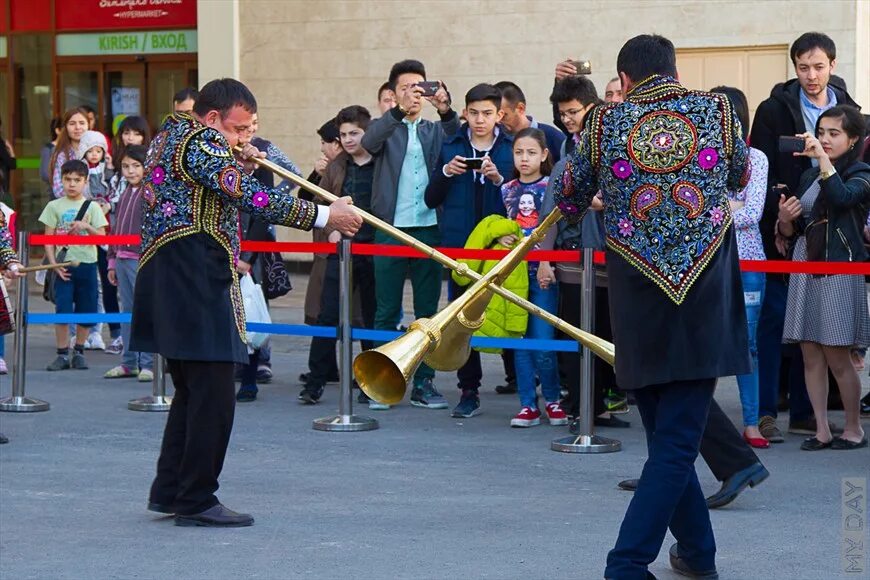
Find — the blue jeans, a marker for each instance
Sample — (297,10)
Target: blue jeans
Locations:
(668,495)
(532,363)
(753,296)
(125,271)
(772,353)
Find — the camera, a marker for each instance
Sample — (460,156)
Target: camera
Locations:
(791,144)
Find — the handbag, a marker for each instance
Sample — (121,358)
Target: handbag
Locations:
(276,279)
(48,291)
(256,310)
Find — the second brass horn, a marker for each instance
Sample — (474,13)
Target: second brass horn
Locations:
(443,341)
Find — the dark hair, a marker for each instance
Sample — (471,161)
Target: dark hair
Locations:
(328,131)
(88,109)
(647,55)
(511,92)
(384,87)
(541,138)
(137,152)
(184,94)
(355,114)
(853,125)
(404,67)
(132,123)
(222,95)
(810,40)
(484,92)
(74,166)
(572,88)
(739,104)
(55,125)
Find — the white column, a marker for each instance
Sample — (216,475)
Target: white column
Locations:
(217,24)
(862,54)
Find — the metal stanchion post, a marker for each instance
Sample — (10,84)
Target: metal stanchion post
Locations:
(18,403)
(345,420)
(158,401)
(586,441)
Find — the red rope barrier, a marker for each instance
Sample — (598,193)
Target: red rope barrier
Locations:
(398,251)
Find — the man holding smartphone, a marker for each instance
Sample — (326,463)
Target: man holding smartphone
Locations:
(792,108)
(405,148)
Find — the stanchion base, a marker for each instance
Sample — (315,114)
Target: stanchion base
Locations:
(585,444)
(345,423)
(23,405)
(150,403)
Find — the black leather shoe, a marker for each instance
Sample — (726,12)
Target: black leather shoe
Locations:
(160,508)
(731,487)
(628,484)
(680,567)
(218,516)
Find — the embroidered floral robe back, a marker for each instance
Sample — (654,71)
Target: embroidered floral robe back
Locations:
(664,161)
(187,301)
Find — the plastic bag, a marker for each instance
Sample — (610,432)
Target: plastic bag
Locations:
(255,310)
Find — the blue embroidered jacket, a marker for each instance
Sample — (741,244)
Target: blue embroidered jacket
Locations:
(664,161)
(187,302)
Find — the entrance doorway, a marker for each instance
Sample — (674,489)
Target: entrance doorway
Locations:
(119,89)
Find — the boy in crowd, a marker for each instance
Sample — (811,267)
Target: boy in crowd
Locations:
(514,118)
(792,108)
(351,173)
(464,196)
(386,98)
(406,148)
(75,288)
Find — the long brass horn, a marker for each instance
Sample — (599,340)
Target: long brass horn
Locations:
(599,347)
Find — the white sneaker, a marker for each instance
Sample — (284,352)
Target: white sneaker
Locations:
(95,342)
(376,406)
(3,368)
(116,347)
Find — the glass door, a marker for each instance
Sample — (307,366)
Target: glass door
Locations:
(124,97)
(79,86)
(164,80)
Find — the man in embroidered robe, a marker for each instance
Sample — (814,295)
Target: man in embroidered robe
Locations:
(187,303)
(663,161)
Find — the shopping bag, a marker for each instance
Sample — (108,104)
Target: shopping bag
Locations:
(255,310)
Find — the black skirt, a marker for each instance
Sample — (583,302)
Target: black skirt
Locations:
(182,306)
(658,341)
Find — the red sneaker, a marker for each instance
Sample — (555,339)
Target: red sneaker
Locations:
(527,417)
(556,415)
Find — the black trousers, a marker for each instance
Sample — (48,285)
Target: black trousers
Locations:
(570,296)
(722,447)
(321,355)
(110,293)
(196,436)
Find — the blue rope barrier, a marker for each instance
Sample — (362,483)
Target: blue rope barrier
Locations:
(318,331)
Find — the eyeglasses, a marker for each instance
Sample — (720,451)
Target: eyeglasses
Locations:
(569,113)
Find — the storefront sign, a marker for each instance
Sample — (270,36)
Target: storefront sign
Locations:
(103,43)
(2,47)
(115,14)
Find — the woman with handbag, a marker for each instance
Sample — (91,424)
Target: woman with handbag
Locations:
(828,315)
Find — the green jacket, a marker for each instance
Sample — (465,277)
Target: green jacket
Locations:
(503,318)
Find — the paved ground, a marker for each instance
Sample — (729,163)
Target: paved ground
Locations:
(425,496)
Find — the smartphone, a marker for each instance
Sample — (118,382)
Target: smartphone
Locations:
(791,144)
(429,87)
(584,67)
(473,162)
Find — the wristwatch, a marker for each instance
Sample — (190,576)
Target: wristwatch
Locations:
(826,174)
(402,109)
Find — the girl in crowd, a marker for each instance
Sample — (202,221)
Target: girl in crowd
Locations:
(746,208)
(75,123)
(828,315)
(123,261)
(523,198)
(132,131)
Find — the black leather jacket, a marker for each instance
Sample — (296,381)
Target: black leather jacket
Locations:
(845,199)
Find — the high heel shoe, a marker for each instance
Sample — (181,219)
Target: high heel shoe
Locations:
(756,442)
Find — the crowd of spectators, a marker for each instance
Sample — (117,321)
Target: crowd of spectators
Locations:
(478,177)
